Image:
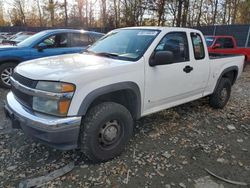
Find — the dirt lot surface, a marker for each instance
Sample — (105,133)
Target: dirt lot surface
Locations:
(169,149)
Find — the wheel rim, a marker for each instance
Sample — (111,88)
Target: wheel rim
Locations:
(6,74)
(223,96)
(110,134)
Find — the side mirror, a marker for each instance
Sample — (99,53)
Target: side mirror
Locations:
(216,46)
(161,58)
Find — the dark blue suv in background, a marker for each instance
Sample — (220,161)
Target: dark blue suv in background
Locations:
(43,44)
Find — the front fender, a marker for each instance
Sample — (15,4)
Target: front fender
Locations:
(87,101)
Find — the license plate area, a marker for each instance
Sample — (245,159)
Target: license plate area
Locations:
(15,124)
(14,121)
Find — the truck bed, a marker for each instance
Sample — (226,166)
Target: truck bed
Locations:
(219,55)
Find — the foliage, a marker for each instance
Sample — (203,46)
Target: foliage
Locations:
(118,13)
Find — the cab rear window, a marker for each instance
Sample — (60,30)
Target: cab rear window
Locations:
(199,52)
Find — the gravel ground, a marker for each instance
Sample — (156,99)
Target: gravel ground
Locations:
(171,148)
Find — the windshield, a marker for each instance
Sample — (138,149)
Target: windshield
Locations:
(209,41)
(126,44)
(30,40)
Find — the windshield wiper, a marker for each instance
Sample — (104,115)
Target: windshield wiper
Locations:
(104,54)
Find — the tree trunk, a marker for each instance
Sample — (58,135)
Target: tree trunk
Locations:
(66,12)
(224,12)
(117,13)
(52,12)
(179,14)
(185,13)
(215,12)
(235,10)
(173,9)
(20,7)
(40,13)
(160,11)
(104,12)
(229,12)
(80,8)
(86,14)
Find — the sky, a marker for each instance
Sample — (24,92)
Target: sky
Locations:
(7,4)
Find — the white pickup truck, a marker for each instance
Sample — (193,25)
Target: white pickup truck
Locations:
(90,100)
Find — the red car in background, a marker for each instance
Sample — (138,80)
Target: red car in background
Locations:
(226,45)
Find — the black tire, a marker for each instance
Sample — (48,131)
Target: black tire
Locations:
(97,128)
(6,71)
(221,95)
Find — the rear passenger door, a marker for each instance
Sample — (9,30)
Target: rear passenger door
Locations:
(199,62)
(178,81)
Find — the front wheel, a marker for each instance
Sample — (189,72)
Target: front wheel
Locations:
(105,131)
(6,71)
(221,94)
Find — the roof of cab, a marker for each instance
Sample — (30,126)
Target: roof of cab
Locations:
(68,30)
(164,28)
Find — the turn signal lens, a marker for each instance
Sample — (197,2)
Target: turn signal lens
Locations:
(68,87)
(63,107)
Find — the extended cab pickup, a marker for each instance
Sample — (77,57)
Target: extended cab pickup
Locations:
(90,100)
(226,45)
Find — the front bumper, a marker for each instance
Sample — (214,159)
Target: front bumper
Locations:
(60,133)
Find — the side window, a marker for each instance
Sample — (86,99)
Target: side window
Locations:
(55,41)
(220,42)
(224,43)
(177,44)
(199,52)
(80,40)
(96,36)
(228,43)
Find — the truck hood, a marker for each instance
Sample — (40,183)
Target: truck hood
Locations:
(58,68)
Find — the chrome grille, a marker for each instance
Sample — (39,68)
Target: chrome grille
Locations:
(23,98)
(23,80)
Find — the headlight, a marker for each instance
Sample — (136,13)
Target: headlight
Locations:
(56,99)
(55,87)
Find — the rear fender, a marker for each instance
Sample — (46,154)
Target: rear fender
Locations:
(233,68)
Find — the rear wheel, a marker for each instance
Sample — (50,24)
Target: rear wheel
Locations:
(221,95)
(105,131)
(6,71)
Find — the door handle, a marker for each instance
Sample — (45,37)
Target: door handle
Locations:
(188,69)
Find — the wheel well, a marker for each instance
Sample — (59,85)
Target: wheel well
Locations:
(231,75)
(9,61)
(125,97)
(247,58)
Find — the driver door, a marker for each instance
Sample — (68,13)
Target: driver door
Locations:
(56,44)
(175,81)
